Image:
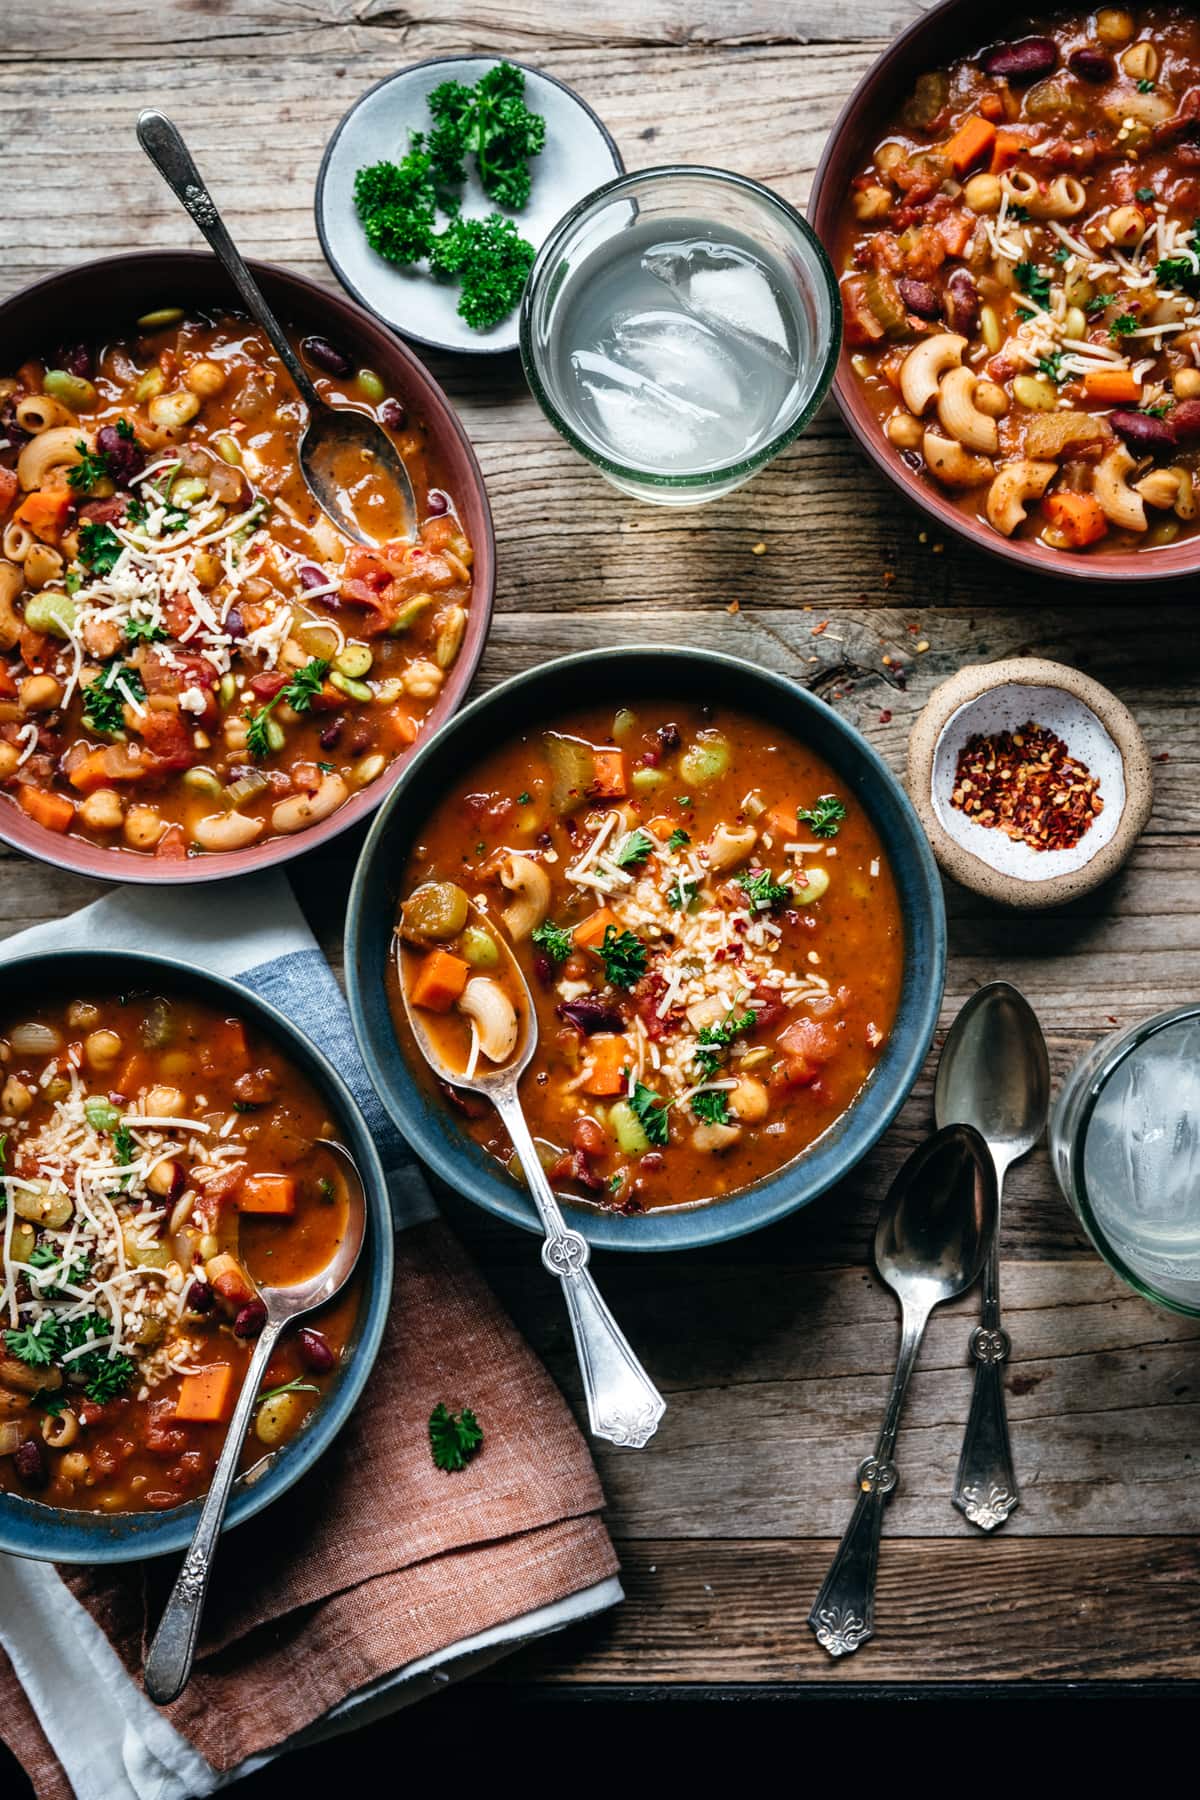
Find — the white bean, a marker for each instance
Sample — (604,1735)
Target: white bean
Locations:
(301,810)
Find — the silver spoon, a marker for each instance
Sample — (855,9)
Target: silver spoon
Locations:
(169,1662)
(994,1073)
(930,1244)
(333,434)
(623,1403)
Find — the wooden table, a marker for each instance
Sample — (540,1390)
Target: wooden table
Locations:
(776,1352)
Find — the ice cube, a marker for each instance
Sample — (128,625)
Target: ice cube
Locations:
(663,391)
(724,287)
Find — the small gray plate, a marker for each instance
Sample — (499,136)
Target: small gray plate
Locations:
(579,155)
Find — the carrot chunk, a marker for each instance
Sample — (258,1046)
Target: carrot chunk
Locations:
(1006,148)
(1079,517)
(206,1397)
(589,935)
(45,511)
(607,1060)
(267,1194)
(608,776)
(970,144)
(53,811)
(1112,387)
(439,981)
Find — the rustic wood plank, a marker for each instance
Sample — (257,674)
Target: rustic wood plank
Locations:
(984,1611)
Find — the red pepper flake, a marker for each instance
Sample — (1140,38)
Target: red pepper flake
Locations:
(885,717)
(818,629)
(1026,784)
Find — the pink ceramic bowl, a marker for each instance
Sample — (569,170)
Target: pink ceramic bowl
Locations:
(110,293)
(949,30)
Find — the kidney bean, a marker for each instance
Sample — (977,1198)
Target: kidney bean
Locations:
(436,503)
(919,297)
(1023,61)
(326,355)
(543,968)
(125,458)
(669,738)
(1090,63)
(1144,433)
(591,1014)
(393,415)
(315,1352)
(1184,420)
(249,1319)
(199,1297)
(76,359)
(332,732)
(235,623)
(312,576)
(962,303)
(29,1460)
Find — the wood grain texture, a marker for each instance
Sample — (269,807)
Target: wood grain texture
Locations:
(775,1351)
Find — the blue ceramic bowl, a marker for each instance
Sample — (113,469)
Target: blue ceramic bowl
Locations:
(625,674)
(57,1534)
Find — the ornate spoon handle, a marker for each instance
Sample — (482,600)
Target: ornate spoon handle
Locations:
(985,1488)
(623,1403)
(163,143)
(169,1662)
(843,1613)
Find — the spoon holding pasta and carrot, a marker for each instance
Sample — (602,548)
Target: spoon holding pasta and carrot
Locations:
(475,1024)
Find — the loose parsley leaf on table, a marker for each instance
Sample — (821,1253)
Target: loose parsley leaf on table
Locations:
(553,939)
(454,1438)
(623,956)
(651,1113)
(825,817)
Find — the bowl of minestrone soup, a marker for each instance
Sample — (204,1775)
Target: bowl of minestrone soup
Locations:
(1010,198)
(199,673)
(160,1130)
(728,918)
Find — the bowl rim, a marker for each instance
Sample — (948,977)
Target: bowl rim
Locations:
(743,466)
(427,62)
(81,856)
(824,204)
(30,1529)
(693,1227)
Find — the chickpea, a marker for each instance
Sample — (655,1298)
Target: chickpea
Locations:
(103,810)
(1140,62)
(889,157)
(1186,383)
(164,1103)
(234,732)
(102,1049)
(102,638)
(983,193)
(207,568)
(904,431)
(1126,225)
(39,693)
(9,758)
(83,1015)
(423,679)
(143,827)
(749,1100)
(205,378)
(872,203)
(15,1098)
(991,399)
(77,1469)
(1114,25)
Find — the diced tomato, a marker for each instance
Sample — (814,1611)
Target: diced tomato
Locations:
(269,683)
(172,845)
(861,327)
(807,1045)
(168,740)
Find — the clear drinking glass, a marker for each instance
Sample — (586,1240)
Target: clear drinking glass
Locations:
(1125,1144)
(679,327)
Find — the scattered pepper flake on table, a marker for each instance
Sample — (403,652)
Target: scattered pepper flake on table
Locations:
(1027,784)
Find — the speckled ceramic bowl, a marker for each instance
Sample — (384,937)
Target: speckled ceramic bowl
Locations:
(96,297)
(1098,730)
(56,1534)
(625,674)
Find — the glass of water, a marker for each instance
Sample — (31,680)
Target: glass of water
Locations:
(679,327)
(1125,1143)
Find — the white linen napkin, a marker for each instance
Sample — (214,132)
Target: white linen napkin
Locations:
(253,931)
